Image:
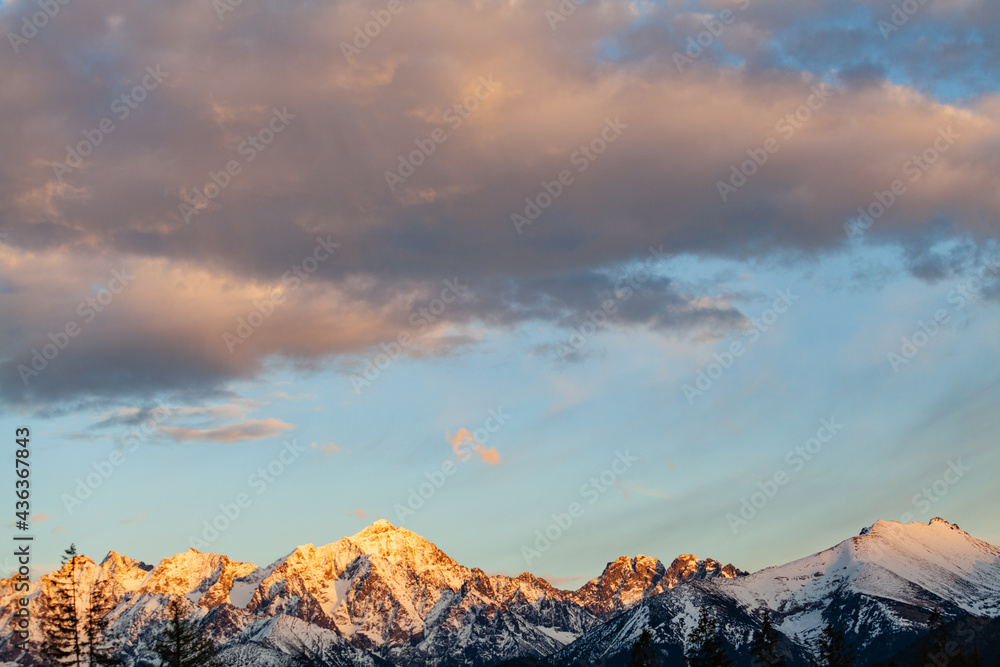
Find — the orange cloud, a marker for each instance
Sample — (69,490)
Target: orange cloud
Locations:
(457,442)
(491,455)
(458,445)
(254,429)
(39,518)
(328,448)
(360,513)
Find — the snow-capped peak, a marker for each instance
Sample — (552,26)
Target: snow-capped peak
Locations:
(380,526)
(903,562)
(390,591)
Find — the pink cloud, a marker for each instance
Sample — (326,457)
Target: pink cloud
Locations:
(458,445)
(328,448)
(254,429)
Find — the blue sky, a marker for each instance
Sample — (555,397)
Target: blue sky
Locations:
(170,236)
(826,358)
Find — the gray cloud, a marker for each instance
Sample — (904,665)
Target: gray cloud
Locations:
(254,429)
(324,175)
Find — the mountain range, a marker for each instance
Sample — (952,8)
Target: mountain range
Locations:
(387,596)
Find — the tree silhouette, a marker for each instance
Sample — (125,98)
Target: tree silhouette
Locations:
(834,651)
(181,643)
(100,648)
(643,654)
(764,648)
(938,649)
(705,647)
(936,636)
(61,621)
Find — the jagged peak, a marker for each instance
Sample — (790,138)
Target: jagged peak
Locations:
(194,555)
(884,527)
(632,562)
(640,558)
(114,559)
(380,526)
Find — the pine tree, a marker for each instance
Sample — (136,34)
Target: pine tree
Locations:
(937,634)
(705,647)
(936,648)
(61,622)
(643,654)
(764,649)
(834,651)
(181,643)
(100,649)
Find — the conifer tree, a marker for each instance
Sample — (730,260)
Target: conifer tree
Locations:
(643,654)
(764,649)
(181,643)
(60,621)
(936,635)
(100,648)
(834,651)
(939,647)
(705,647)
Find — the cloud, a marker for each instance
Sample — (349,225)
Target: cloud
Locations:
(323,176)
(133,519)
(328,448)
(360,513)
(491,455)
(254,429)
(458,441)
(39,518)
(58,530)
(461,441)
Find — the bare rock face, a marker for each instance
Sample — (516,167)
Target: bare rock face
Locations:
(686,567)
(629,580)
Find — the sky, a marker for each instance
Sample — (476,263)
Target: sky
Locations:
(546,283)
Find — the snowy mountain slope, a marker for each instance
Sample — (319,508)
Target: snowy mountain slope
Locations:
(277,640)
(385,591)
(879,587)
(391,591)
(388,596)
